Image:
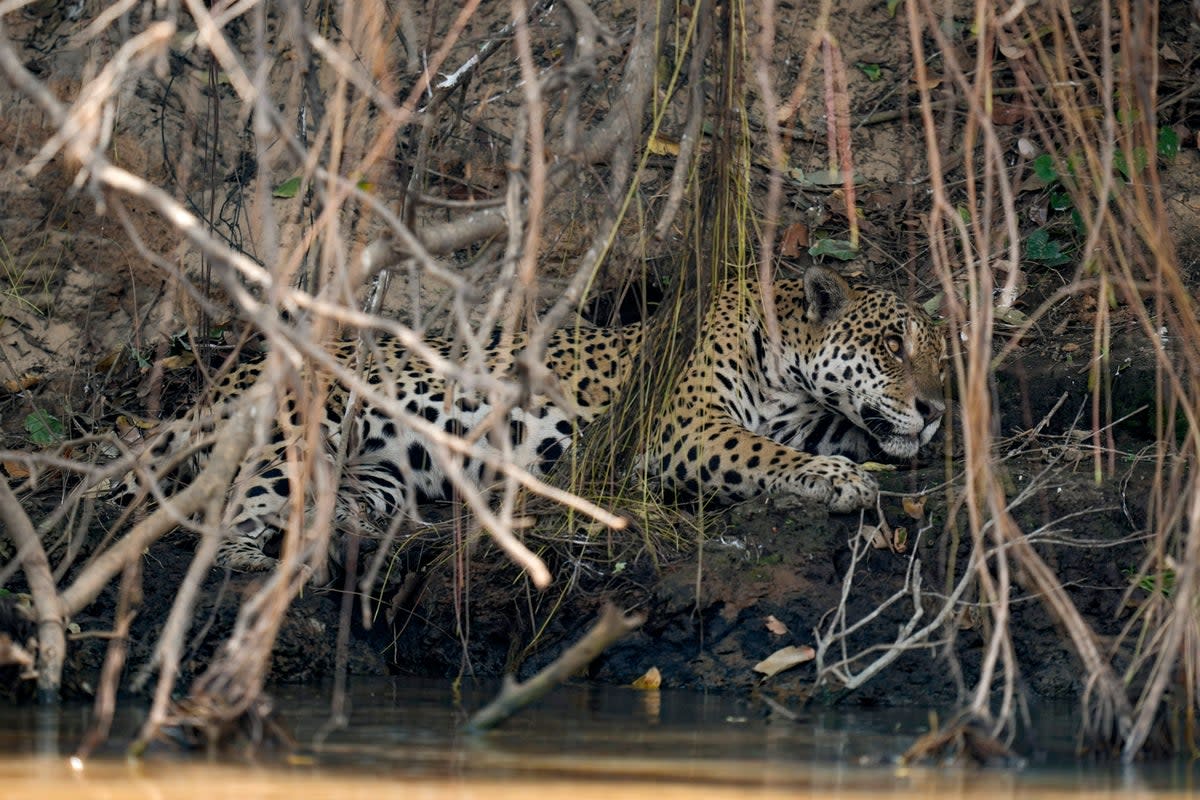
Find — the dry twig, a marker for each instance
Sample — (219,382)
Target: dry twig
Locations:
(514,696)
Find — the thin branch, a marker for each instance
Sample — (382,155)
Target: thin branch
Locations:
(214,479)
(612,625)
(51,609)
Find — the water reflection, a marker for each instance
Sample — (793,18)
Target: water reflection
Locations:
(405,737)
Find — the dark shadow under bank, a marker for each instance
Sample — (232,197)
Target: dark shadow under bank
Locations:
(768,576)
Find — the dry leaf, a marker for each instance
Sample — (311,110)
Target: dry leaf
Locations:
(106,363)
(15,469)
(1012,52)
(875,466)
(931,82)
(1168,54)
(795,240)
(179,361)
(785,658)
(775,626)
(914,506)
(651,680)
(1004,114)
(877,536)
(20,384)
(662,146)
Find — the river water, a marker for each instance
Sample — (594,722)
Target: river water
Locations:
(405,739)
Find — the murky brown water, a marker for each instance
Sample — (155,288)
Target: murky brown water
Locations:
(404,739)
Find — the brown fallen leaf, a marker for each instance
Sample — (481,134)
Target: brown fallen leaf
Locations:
(775,626)
(785,658)
(931,82)
(914,506)
(877,536)
(16,470)
(795,240)
(107,362)
(19,384)
(1004,114)
(651,680)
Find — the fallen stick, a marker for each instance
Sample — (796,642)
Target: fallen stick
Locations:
(514,696)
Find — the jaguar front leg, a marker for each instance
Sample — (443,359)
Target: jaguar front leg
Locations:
(723,458)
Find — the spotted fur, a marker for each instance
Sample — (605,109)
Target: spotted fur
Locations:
(858,375)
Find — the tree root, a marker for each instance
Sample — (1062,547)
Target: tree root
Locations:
(966,739)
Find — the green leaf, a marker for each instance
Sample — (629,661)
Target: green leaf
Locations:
(1041,248)
(1119,161)
(1168,143)
(43,428)
(1077,221)
(817,178)
(1060,201)
(1012,316)
(1128,116)
(288,188)
(933,305)
(1074,162)
(142,362)
(1153,582)
(1124,165)
(1043,167)
(892,5)
(872,71)
(834,248)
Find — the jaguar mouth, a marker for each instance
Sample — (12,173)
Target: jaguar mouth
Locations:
(898,446)
(901,442)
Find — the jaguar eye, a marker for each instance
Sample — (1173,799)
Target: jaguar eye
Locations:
(895,346)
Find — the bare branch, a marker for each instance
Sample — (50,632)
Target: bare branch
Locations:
(514,696)
(52,610)
(213,480)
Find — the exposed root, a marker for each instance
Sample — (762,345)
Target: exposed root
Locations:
(211,724)
(966,739)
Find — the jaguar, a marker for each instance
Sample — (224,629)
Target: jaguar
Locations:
(852,372)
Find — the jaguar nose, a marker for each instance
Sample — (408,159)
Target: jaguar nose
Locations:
(931,410)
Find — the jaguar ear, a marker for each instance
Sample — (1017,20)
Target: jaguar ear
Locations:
(825,293)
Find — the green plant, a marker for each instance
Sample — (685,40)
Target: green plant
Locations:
(1163,582)
(1043,248)
(44,428)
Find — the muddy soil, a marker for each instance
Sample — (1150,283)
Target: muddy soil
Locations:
(766,578)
